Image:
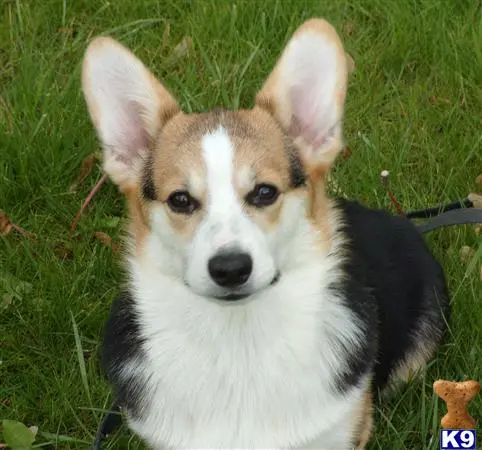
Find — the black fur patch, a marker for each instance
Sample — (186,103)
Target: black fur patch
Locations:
(297,173)
(359,358)
(394,285)
(148,187)
(123,343)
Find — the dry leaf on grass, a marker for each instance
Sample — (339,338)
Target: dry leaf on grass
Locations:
(6,225)
(350,62)
(69,31)
(66,30)
(7,300)
(348,28)
(180,50)
(478,180)
(105,239)
(346,153)
(64,250)
(437,100)
(476,200)
(86,168)
(466,254)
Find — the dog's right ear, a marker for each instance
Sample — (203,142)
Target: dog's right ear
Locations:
(306,91)
(127,104)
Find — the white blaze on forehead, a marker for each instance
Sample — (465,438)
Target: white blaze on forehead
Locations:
(225,225)
(218,154)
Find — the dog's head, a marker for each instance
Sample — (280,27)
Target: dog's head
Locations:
(226,196)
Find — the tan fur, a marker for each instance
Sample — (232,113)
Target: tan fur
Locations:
(178,164)
(138,227)
(416,360)
(413,363)
(260,149)
(364,422)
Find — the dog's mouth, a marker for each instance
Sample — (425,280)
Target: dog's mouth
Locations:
(235,296)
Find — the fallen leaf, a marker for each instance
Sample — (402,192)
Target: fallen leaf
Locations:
(70,32)
(64,250)
(5,224)
(85,169)
(437,100)
(478,180)
(65,30)
(478,229)
(11,285)
(346,152)
(107,241)
(476,200)
(350,62)
(16,435)
(180,50)
(7,300)
(466,254)
(348,28)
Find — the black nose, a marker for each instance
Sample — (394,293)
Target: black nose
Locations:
(230,269)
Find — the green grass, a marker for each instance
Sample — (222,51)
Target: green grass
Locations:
(413,108)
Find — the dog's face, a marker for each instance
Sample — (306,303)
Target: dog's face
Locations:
(223,194)
(222,190)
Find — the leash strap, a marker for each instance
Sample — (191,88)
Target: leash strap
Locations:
(436,210)
(112,421)
(452,217)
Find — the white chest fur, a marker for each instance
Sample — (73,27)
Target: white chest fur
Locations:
(255,374)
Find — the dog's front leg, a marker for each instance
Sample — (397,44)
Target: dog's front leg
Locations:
(351,431)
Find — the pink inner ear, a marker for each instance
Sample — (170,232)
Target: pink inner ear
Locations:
(133,137)
(308,119)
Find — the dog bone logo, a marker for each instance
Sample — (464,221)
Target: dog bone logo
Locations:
(457,396)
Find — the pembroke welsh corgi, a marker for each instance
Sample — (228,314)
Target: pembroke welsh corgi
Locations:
(258,313)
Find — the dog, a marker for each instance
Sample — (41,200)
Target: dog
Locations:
(258,312)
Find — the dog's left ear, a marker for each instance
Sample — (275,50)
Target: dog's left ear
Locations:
(306,92)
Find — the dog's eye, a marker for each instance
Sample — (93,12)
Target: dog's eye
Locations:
(262,195)
(182,202)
